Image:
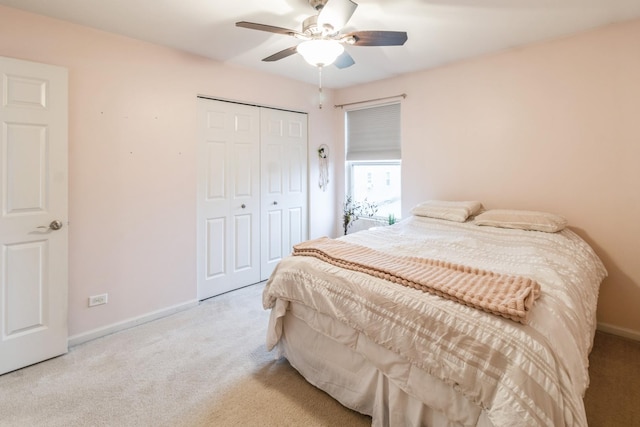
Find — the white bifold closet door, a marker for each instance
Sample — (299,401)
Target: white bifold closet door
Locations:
(283,185)
(252,192)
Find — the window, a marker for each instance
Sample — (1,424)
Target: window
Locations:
(373,157)
(383,189)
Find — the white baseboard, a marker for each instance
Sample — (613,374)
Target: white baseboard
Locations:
(617,330)
(129,323)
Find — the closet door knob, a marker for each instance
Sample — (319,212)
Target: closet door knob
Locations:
(275,203)
(243,206)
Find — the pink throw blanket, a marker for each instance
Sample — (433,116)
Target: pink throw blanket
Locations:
(508,296)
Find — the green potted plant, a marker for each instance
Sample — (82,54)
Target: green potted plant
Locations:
(352,210)
(392,219)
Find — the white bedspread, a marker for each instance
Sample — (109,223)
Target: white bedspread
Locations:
(533,374)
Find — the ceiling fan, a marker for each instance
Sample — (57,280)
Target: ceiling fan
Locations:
(323,42)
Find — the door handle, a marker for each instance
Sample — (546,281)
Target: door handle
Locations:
(55,225)
(275,203)
(243,206)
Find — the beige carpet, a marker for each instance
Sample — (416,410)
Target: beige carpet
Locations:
(613,396)
(208,366)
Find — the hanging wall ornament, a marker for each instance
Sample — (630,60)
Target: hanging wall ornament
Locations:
(323,155)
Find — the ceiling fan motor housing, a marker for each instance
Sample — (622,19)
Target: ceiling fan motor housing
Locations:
(310,26)
(317,4)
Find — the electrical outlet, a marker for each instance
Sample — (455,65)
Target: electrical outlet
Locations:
(98,300)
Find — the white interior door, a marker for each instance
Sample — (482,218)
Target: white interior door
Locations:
(228,197)
(283,186)
(33,191)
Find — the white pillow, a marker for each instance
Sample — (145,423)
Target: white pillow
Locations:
(452,211)
(523,220)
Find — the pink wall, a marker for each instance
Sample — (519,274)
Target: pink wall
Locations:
(553,126)
(132,165)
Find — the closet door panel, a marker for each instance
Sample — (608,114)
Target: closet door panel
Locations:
(284,184)
(242,245)
(228,221)
(274,243)
(297,170)
(216,247)
(272,170)
(296,227)
(243,175)
(216,170)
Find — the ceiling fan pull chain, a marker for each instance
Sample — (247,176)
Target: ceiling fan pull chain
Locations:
(320,87)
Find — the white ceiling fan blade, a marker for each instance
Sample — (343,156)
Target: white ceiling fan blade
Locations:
(335,14)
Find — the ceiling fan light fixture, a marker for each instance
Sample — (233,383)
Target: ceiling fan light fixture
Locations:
(320,53)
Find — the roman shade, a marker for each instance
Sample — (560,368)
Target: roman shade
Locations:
(374,133)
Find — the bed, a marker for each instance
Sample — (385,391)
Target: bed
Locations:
(409,357)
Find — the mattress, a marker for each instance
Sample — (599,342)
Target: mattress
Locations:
(495,371)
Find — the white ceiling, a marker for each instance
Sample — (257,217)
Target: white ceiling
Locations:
(439,31)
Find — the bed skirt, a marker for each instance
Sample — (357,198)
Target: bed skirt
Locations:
(364,376)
